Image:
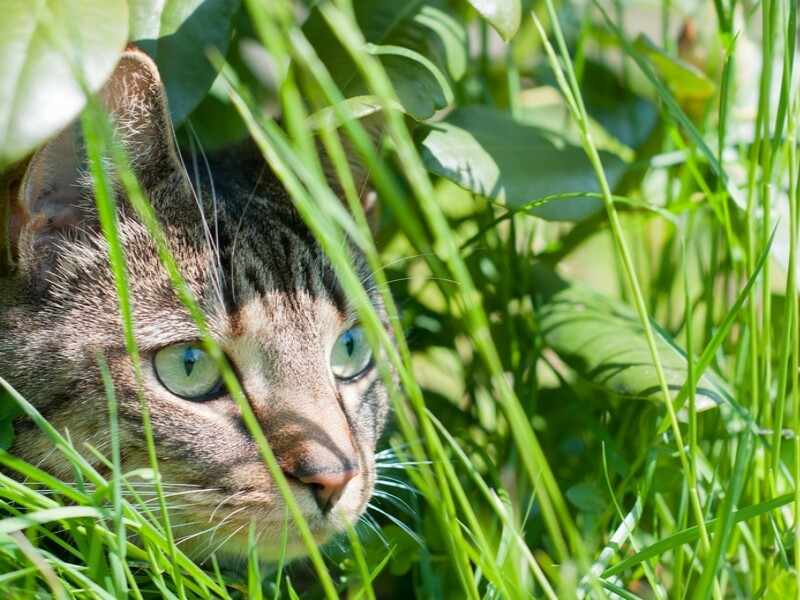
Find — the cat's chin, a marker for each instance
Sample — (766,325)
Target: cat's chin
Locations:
(233,550)
(229,528)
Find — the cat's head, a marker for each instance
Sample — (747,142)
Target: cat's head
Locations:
(271,300)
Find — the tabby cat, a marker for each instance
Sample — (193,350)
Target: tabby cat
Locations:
(269,295)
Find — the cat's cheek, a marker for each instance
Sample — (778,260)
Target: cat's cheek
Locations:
(366,403)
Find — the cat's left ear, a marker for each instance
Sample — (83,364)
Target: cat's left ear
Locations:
(50,195)
(135,99)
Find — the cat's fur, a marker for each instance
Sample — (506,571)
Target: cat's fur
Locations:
(268,293)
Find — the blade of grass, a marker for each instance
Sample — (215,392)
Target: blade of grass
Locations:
(556,515)
(687,536)
(572,93)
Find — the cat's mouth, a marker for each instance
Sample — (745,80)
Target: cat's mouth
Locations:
(228,525)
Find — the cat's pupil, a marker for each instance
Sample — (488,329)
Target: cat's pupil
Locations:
(349,344)
(189,358)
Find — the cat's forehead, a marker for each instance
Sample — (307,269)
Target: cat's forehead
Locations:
(279,279)
(267,251)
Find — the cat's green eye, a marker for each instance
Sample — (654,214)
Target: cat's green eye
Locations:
(351,355)
(187,371)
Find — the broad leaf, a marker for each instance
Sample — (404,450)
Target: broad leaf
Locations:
(685,80)
(504,16)
(487,152)
(623,115)
(421,45)
(782,587)
(47,48)
(587,497)
(603,340)
(176,35)
(544,107)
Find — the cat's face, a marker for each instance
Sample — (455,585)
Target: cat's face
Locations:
(271,300)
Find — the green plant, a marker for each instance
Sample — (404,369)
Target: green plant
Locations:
(639,438)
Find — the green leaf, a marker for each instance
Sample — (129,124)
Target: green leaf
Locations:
(176,35)
(685,80)
(487,152)
(49,515)
(782,587)
(587,498)
(667,478)
(7,435)
(603,341)
(625,115)
(48,48)
(405,549)
(690,534)
(421,45)
(9,410)
(504,16)
(546,109)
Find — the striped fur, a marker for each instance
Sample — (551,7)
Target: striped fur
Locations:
(269,295)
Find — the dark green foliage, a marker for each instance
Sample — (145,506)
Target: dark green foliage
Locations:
(583,229)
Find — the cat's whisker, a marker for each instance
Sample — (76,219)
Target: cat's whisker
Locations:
(181,493)
(377,286)
(163,484)
(176,507)
(259,533)
(394,500)
(223,542)
(390,451)
(223,501)
(197,191)
(45,459)
(183,525)
(397,522)
(166,489)
(389,455)
(185,538)
(226,518)
(406,258)
(404,464)
(396,483)
(369,522)
(212,530)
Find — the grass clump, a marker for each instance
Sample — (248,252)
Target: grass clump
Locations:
(590,233)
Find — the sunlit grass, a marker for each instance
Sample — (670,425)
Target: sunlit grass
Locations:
(529,481)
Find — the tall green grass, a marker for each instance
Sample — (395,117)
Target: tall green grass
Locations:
(511,473)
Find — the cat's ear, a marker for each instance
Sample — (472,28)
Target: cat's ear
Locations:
(47,197)
(135,99)
(50,195)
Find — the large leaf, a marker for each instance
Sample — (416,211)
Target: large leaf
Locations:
(504,15)
(685,80)
(545,108)
(46,48)
(487,152)
(421,44)
(627,117)
(603,340)
(176,35)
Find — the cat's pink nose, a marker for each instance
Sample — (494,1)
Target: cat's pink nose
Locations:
(328,487)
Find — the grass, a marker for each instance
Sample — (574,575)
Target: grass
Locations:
(530,477)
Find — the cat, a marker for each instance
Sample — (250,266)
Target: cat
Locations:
(269,295)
